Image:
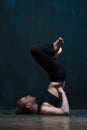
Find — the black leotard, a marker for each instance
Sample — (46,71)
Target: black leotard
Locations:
(49,98)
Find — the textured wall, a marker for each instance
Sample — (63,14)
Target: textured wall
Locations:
(23,23)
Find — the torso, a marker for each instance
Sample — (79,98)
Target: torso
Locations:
(52,88)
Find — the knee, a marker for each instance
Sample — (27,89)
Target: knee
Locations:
(33,49)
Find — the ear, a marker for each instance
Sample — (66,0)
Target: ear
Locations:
(28,105)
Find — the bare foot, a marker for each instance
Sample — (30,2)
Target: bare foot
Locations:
(57,44)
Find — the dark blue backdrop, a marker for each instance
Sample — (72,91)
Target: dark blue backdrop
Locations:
(23,23)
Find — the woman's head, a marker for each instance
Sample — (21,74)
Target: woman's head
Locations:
(24,105)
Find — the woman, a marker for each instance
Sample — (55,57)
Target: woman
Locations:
(45,55)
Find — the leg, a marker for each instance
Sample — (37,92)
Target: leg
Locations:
(48,49)
(43,58)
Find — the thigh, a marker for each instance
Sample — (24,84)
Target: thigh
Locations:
(43,59)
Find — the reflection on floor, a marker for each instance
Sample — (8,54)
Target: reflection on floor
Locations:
(76,121)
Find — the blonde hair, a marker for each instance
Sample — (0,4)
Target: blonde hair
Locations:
(21,108)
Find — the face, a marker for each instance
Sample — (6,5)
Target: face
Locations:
(28,99)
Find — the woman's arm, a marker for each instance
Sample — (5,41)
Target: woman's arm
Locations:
(65,103)
(54,110)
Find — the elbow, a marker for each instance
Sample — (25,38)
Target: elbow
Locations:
(65,112)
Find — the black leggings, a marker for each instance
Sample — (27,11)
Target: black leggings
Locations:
(43,55)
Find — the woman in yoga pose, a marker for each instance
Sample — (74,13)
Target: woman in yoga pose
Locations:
(46,56)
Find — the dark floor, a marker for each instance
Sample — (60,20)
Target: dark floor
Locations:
(76,121)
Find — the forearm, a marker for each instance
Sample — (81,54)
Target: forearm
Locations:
(65,103)
(51,110)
